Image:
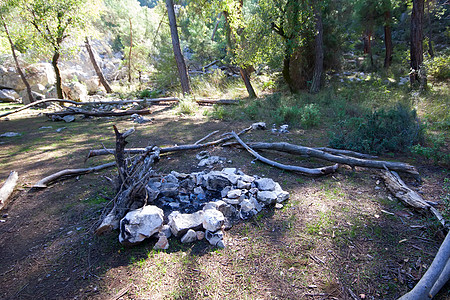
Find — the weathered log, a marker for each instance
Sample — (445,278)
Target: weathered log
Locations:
(43,183)
(99,152)
(219,101)
(346,153)
(205,137)
(341,159)
(435,277)
(78,111)
(7,188)
(120,158)
(301,170)
(401,191)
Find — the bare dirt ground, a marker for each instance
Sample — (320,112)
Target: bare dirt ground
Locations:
(341,236)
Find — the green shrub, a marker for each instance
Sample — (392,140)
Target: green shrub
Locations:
(439,67)
(432,149)
(310,115)
(147,94)
(393,130)
(187,106)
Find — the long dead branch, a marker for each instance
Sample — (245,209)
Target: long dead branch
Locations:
(341,159)
(43,183)
(99,152)
(7,188)
(301,170)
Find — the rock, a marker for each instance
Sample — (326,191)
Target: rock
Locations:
(41,73)
(229,171)
(247,210)
(265,184)
(279,206)
(198,190)
(140,224)
(233,194)
(189,237)
(181,223)
(267,197)
(152,194)
(169,189)
(213,220)
(60,129)
(259,126)
(75,91)
(202,155)
(165,229)
(162,243)
(7,95)
(243,185)
(216,181)
(170,178)
(92,85)
(200,235)
(139,119)
(10,134)
(26,100)
(68,118)
(211,161)
(215,238)
(232,201)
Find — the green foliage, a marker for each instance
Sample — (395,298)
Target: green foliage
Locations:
(310,115)
(446,198)
(187,106)
(433,149)
(439,67)
(393,130)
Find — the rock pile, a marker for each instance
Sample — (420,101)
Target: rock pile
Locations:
(198,205)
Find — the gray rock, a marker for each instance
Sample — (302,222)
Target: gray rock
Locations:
(213,220)
(243,185)
(10,134)
(216,181)
(259,125)
(215,238)
(169,189)
(7,95)
(26,99)
(211,161)
(170,178)
(165,230)
(232,201)
(202,155)
(162,243)
(247,210)
(229,171)
(267,197)
(200,235)
(152,194)
(281,195)
(60,129)
(140,224)
(265,184)
(228,210)
(68,118)
(189,237)
(75,91)
(181,223)
(198,190)
(234,194)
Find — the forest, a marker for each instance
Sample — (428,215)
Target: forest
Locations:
(205,149)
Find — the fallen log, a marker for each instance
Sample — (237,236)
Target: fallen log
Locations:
(7,188)
(401,191)
(40,102)
(220,101)
(301,170)
(435,277)
(44,182)
(78,111)
(341,159)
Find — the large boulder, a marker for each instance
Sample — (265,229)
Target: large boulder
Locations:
(140,224)
(213,220)
(75,91)
(40,73)
(7,95)
(26,100)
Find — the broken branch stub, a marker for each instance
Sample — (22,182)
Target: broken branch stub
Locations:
(7,189)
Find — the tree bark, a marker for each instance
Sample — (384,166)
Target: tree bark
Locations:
(55,59)
(129,53)
(248,85)
(387,39)
(96,67)
(430,32)
(416,47)
(318,63)
(181,65)
(78,111)
(7,188)
(16,61)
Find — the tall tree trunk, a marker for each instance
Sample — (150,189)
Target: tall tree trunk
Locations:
(318,63)
(55,59)
(13,51)
(368,46)
(416,50)
(129,53)
(97,69)
(387,39)
(286,72)
(430,32)
(246,78)
(181,65)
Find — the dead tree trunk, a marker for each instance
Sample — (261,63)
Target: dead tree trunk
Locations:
(181,65)
(96,67)
(248,85)
(129,53)
(387,39)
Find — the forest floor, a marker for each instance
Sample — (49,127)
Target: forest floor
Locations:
(342,236)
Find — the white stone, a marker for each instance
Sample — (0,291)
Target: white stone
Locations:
(7,95)
(265,184)
(229,171)
(75,91)
(189,237)
(213,220)
(181,223)
(243,185)
(266,197)
(140,224)
(233,194)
